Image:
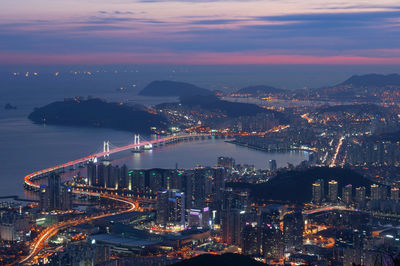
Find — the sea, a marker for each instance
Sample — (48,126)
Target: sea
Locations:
(26,147)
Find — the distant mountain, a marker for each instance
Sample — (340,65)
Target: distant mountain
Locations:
(227,259)
(373,80)
(296,186)
(260,90)
(98,113)
(167,88)
(231,109)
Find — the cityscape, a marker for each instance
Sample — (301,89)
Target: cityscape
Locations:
(221,132)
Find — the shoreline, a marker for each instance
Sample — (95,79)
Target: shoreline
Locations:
(266,150)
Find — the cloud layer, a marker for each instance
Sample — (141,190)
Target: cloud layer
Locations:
(200,32)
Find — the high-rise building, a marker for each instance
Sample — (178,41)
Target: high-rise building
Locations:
(293,227)
(219,182)
(199,218)
(53,196)
(53,190)
(360,197)
(394,194)
(123,181)
(162,207)
(66,198)
(92,174)
(102,175)
(249,239)
(375,192)
(170,207)
(218,191)
(155,180)
(235,199)
(333,191)
(44,199)
(272,244)
(137,180)
(317,191)
(272,165)
(269,231)
(176,207)
(199,187)
(226,162)
(347,194)
(231,226)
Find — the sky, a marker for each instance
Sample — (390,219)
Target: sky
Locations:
(200,32)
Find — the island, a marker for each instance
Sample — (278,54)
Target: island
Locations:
(99,113)
(167,88)
(8,106)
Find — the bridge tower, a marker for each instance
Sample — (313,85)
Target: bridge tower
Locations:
(136,141)
(106,149)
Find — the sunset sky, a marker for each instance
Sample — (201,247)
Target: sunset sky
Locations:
(47,32)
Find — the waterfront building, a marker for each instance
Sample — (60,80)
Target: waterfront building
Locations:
(347,194)
(272,165)
(333,191)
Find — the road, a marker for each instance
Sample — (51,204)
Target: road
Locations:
(47,233)
(50,231)
(30,183)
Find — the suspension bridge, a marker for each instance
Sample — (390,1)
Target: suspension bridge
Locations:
(137,145)
(38,243)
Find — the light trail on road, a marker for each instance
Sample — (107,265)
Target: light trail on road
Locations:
(334,158)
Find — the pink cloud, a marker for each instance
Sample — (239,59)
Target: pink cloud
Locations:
(190,59)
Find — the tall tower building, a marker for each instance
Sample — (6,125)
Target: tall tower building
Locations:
(218,189)
(231,226)
(347,194)
(394,194)
(92,174)
(162,207)
(317,192)
(272,165)
(176,207)
(360,197)
(66,198)
(170,207)
(53,190)
(199,187)
(333,191)
(293,227)
(44,199)
(226,162)
(375,192)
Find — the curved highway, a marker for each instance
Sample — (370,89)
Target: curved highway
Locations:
(50,231)
(40,241)
(30,183)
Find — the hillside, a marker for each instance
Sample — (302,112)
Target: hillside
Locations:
(98,113)
(373,80)
(166,88)
(231,109)
(260,90)
(227,259)
(296,186)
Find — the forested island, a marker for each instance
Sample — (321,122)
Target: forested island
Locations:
(99,113)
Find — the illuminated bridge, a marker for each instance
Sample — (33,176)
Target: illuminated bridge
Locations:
(29,179)
(38,243)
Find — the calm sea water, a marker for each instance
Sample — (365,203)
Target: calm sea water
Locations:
(26,147)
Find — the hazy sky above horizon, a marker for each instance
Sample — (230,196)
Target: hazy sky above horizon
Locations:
(200,32)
